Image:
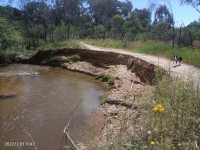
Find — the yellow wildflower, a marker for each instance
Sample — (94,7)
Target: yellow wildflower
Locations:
(159,108)
(116,117)
(155,108)
(122,102)
(183,80)
(104,113)
(170,60)
(152,142)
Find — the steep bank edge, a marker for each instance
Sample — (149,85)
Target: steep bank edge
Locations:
(144,70)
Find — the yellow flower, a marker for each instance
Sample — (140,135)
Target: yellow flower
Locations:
(122,102)
(104,113)
(116,117)
(183,80)
(152,142)
(159,108)
(170,60)
(155,108)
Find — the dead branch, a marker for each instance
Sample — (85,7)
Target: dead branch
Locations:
(67,134)
(119,102)
(31,139)
(130,88)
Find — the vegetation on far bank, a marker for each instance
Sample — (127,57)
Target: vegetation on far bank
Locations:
(190,55)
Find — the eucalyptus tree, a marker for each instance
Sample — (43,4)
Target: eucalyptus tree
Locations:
(193,3)
(163,21)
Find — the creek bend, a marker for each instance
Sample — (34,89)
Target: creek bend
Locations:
(45,99)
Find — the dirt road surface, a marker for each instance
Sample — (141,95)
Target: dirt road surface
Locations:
(181,71)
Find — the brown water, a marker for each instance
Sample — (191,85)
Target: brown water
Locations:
(45,100)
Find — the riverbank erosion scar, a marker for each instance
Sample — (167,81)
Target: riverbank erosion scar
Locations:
(144,70)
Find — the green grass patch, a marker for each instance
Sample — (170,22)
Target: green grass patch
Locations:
(75,58)
(55,60)
(107,78)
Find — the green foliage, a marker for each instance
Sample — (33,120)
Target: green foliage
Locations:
(55,60)
(99,31)
(103,98)
(107,78)
(6,58)
(75,58)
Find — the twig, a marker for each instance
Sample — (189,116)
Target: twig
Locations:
(130,88)
(31,139)
(66,132)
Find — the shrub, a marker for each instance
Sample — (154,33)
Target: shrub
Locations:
(107,78)
(75,58)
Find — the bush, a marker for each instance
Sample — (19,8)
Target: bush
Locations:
(107,78)
(75,58)
(6,58)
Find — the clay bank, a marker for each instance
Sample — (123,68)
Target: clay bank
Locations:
(130,77)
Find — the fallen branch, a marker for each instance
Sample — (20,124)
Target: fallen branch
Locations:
(119,102)
(31,139)
(67,134)
(130,88)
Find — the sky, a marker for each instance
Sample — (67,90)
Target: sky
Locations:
(183,14)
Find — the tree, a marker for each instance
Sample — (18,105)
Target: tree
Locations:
(162,14)
(193,3)
(144,15)
(117,25)
(132,26)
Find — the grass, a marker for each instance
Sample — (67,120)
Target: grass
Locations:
(75,58)
(55,60)
(189,55)
(59,45)
(172,118)
(107,78)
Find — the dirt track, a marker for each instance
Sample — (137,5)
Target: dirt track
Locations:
(186,71)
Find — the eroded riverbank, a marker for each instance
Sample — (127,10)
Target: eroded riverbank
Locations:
(132,77)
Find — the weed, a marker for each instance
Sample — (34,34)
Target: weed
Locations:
(55,60)
(107,78)
(75,58)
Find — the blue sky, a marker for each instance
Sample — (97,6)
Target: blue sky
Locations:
(185,13)
(182,14)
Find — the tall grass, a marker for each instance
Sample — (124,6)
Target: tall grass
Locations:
(177,125)
(189,55)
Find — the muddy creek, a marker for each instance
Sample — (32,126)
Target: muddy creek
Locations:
(41,102)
